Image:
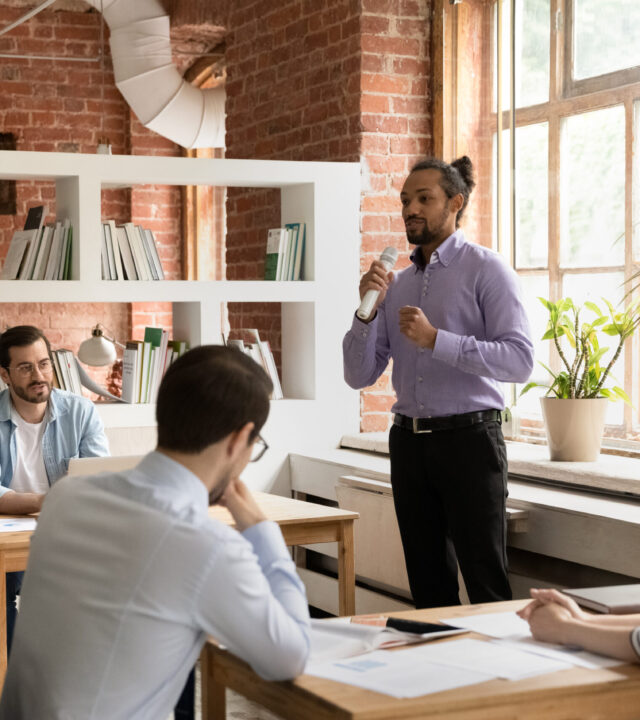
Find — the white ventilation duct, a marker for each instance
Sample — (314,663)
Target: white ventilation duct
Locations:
(150,82)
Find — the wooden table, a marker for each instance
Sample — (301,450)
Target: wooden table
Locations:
(577,693)
(300,522)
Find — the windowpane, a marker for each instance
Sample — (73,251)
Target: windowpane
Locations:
(592,189)
(606,36)
(533,287)
(532,52)
(532,145)
(594,287)
(636,182)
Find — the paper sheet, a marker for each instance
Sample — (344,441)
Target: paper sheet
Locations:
(401,674)
(497,625)
(17,524)
(509,629)
(499,660)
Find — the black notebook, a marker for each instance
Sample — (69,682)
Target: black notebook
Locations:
(614,599)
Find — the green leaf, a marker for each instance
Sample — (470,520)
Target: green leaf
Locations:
(593,307)
(550,306)
(529,386)
(622,394)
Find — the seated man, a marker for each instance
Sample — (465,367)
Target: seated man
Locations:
(554,617)
(41,428)
(128,574)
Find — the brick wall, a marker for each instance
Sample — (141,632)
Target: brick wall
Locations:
(65,107)
(338,81)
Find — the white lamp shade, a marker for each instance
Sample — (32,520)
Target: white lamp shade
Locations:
(97,351)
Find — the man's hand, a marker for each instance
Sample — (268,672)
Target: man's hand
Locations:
(377,278)
(239,501)
(545,596)
(416,327)
(549,623)
(17,503)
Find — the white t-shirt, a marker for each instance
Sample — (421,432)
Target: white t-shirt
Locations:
(29,473)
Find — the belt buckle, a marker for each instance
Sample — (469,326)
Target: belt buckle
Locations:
(415,428)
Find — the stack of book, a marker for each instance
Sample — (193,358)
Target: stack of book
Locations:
(285,252)
(39,252)
(145,362)
(65,371)
(129,252)
(248,341)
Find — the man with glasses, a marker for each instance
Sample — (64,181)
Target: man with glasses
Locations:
(41,428)
(117,607)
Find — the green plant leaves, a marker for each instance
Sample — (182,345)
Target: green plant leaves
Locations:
(582,375)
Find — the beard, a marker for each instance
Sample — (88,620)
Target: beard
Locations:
(29,394)
(428,235)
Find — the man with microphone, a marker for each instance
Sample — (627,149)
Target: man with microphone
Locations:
(454,325)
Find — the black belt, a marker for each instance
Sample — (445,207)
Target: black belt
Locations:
(448,422)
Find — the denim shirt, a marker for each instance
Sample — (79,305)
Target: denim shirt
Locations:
(73,429)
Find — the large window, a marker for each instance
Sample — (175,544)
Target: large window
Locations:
(547,100)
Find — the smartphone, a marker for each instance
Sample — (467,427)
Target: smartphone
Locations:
(415,626)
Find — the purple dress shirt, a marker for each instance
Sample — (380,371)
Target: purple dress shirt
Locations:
(473,298)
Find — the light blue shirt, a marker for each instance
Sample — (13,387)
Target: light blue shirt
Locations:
(73,429)
(127,576)
(473,298)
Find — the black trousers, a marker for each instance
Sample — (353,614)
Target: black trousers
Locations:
(450,490)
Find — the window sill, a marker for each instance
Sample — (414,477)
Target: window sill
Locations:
(611,474)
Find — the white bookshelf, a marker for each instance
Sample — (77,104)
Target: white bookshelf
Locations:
(318,407)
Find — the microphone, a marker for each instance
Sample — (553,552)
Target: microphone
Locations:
(388,259)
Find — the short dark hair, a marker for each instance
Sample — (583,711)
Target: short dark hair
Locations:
(208,393)
(20,336)
(456,178)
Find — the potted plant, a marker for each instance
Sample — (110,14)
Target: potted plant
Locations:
(575,404)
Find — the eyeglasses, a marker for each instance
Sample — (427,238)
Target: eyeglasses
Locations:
(27,369)
(258,449)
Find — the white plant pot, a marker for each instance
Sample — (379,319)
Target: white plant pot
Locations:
(574,427)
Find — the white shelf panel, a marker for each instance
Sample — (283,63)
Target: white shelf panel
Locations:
(158,291)
(128,170)
(116,414)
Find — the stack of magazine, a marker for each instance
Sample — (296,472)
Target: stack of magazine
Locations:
(129,252)
(248,341)
(145,362)
(39,251)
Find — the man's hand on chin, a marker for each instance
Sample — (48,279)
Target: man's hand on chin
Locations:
(238,500)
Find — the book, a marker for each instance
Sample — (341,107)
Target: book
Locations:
(43,252)
(29,261)
(117,257)
(130,381)
(151,241)
(51,273)
(299,252)
(137,251)
(145,368)
(108,246)
(129,265)
(613,599)
(272,370)
(35,217)
(64,250)
(68,254)
(16,254)
(294,232)
(276,243)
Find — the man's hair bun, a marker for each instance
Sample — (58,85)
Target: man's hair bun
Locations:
(465,167)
